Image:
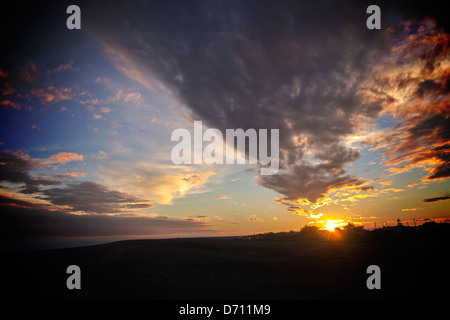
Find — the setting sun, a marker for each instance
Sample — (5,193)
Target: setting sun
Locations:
(331,225)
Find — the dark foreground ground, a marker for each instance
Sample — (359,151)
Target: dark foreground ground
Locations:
(224,268)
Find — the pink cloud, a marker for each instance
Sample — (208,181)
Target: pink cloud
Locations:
(61,158)
(64,67)
(52,95)
(9,103)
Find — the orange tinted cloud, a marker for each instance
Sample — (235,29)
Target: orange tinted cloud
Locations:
(52,94)
(358,196)
(223,197)
(9,103)
(299,211)
(412,209)
(416,79)
(61,158)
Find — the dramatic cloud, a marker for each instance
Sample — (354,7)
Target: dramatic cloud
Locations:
(251,68)
(362,114)
(275,65)
(308,181)
(416,76)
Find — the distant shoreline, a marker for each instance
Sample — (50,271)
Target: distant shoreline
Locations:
(429,230)
(51,244)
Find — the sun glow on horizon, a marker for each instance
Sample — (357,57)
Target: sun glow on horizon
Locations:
(331,225)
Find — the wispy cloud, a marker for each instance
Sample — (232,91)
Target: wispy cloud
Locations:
(64,67)
(412,209)
(223,197)
(159,183)
(100,155)
(51,95)
(126,66)
(71,175)
(60,158)
(9,103)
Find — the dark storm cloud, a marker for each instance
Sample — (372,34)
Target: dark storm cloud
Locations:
(366,188)
(308,181)
(258,64)
(444,197)
(92,197)
(21,219)
(15,169)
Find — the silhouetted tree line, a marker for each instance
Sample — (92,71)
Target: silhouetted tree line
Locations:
(351,232)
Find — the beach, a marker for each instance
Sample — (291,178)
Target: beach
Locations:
(230,268)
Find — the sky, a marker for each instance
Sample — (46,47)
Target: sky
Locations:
(86,117)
